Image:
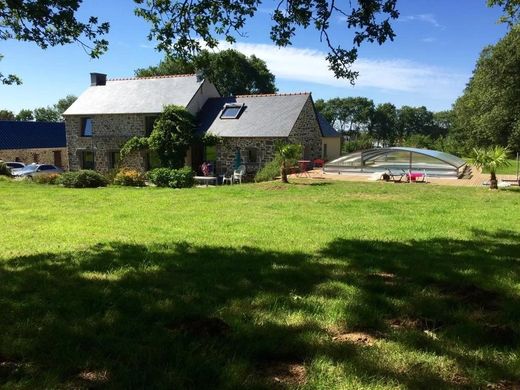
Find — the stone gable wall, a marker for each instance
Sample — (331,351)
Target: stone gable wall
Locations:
(306,131)
(110,132)
(39,155)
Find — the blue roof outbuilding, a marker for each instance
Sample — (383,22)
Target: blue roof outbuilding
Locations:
(32,135)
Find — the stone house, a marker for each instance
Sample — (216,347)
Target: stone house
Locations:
(251,125)
(38,142)
(110,112)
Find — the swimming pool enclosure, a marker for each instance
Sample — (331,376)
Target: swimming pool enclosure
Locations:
(431,162)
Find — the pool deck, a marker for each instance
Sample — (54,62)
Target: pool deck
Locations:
(476,179)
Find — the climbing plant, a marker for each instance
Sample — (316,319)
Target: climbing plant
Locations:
(171,137)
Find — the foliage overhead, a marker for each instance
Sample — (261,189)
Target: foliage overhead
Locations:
(183,28)
(511,10)
(489,110)
(50,23)
(186,27)
(232,72)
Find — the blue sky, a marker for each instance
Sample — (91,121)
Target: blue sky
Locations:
(428,63)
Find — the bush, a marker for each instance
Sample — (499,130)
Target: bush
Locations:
(47,179)
(160,176)
(174,178)
(181,178)
(270,171)
(129,177)
(82,179)
(4,169)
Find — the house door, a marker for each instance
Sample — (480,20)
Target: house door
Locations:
(57,158)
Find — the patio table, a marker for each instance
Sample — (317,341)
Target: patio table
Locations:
(206,179)
(302,164)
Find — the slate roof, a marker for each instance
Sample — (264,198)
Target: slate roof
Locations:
(32,135)
(326,128)
(263,115)
(143,95)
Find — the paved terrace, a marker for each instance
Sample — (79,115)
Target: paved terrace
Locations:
(476,180)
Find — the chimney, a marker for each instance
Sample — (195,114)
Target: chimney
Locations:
(200,75)
(97,79)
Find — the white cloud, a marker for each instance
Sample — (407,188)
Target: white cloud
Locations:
(398,75)
(425,18)
(429,40)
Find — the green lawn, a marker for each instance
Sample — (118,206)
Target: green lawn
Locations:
(314,286)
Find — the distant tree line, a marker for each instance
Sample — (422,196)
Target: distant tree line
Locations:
(52,113)
(365,125)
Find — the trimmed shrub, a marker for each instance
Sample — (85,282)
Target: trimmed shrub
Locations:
(174,178)
(160,176)
(47,179)
(129,177)
(270,171)
(83,179)
(181,178)
(4,169)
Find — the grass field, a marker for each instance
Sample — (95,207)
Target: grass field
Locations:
(310,285)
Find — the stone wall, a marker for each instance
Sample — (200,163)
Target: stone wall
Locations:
(227,150)
(41,156)
(110,132)
(306,131)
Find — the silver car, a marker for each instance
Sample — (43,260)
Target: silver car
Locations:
(15,166)
(32,170)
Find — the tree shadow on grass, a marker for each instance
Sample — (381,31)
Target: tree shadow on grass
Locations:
(182,316)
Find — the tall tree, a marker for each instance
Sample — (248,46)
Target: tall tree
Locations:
(63,104)
(489,110)
(384,123)
(442,123)
(49,23)
(6,115)
(232,72)
(414,120)
(25,115)
(46,114)
(347,115)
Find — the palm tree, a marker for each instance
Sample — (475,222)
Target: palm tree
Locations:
(288,154)
(490,159)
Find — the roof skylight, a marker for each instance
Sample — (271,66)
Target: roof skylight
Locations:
(231,111)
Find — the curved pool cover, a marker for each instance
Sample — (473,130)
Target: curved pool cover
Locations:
(431,162)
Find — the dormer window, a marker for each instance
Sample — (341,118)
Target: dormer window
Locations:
(231,111)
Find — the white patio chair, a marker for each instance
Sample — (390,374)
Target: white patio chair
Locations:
(227,176)
(239,173)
